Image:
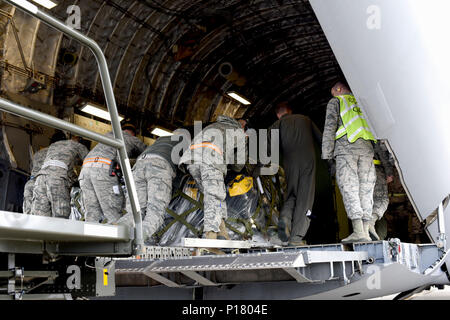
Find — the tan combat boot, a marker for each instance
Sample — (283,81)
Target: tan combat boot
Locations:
(223,231)
(366,227)
(297,243)
(359,233)
(372,232)
(211,235)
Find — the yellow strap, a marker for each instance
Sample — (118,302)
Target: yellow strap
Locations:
(377,162)
(397,194)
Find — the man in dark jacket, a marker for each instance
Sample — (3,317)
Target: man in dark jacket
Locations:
(297,134)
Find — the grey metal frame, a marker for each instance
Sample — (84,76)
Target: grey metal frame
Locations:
(332,271)
(296,263)
(117,142)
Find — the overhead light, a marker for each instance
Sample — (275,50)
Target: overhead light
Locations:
(26,5)
(238,97)
(161,132)
(46,3)
(98,112)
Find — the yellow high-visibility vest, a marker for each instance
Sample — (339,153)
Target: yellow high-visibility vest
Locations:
(354,124)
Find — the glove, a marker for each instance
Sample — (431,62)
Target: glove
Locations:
(331,167)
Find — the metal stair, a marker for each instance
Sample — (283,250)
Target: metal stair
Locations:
(308,264)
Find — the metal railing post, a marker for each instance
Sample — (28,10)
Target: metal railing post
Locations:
(110,103)
(54,122)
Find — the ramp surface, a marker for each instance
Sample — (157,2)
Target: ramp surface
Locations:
(18,226)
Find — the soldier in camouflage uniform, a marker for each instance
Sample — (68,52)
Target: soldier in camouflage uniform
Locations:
(206,160)
(36,164)
(401,218)
(51,194)
(102,193)
(384,172)
(153,174)
(355,170)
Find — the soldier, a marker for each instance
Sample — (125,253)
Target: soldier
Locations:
(401,218)
(384,172)
(153,174)
(102,193)
(297,136)
(36,164)
(51,193)
(347,140)
(206,160)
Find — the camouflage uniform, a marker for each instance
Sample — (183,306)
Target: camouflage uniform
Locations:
(355,170)
(383,170)
(401,218)
(51,194)
(153,174)
(36,164)
(102,193)
(207,160)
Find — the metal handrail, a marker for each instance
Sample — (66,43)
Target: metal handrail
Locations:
(118,142)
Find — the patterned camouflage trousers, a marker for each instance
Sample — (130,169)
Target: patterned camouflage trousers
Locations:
(355,176)
(102,195)
(28,196)
(380,194)
(51,196)
(211,184)
(153,179)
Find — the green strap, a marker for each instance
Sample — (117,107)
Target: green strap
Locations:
(194,202)
(246,224)
(258,209)
(181,218)
(276,197)
(229,226)
(269,186)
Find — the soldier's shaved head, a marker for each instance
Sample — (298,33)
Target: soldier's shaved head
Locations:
(341,87)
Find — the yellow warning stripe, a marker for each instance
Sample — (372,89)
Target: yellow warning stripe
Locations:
(105,277)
